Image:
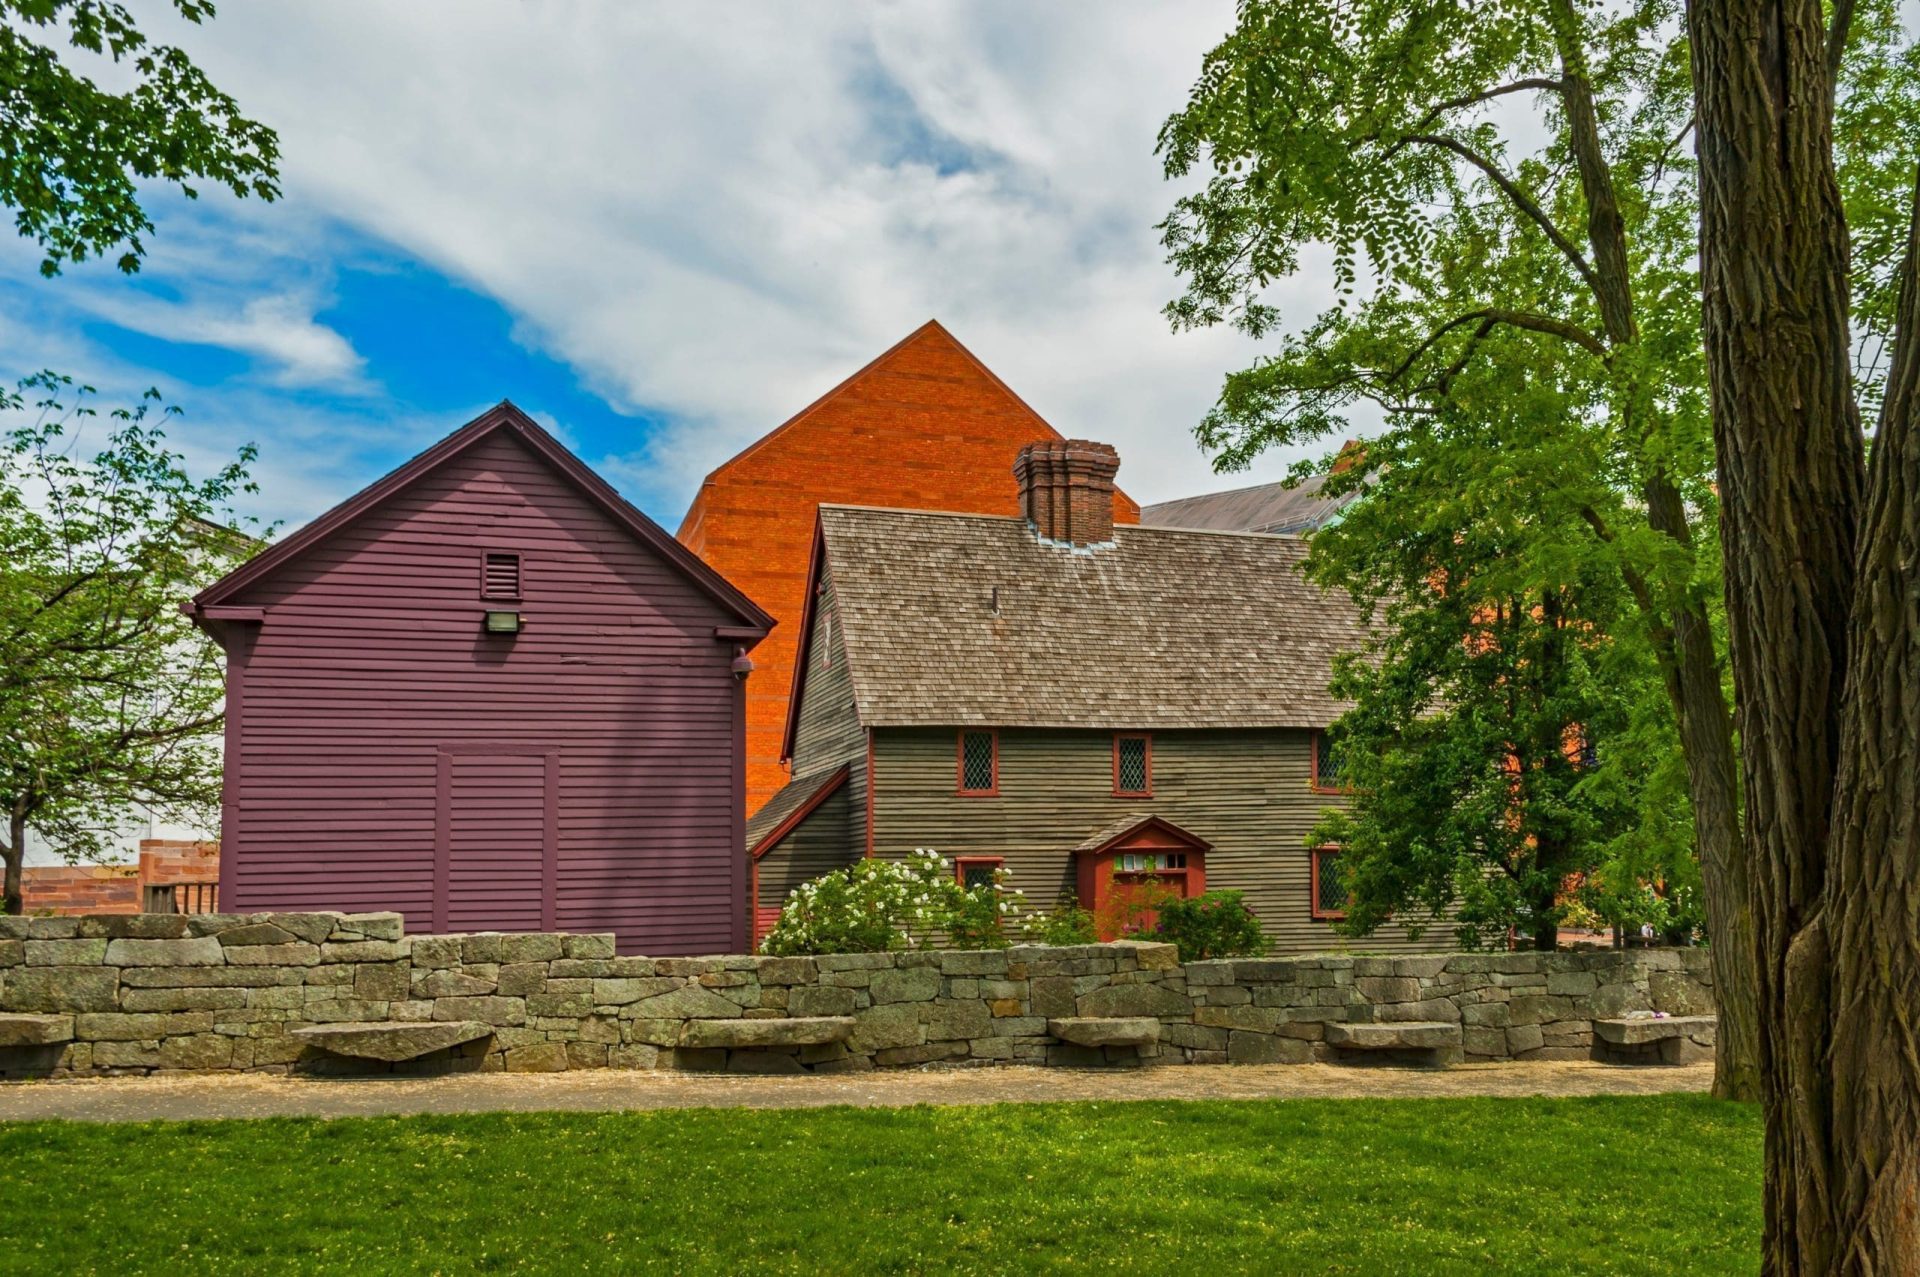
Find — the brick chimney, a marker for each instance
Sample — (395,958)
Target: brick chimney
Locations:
(1066,490)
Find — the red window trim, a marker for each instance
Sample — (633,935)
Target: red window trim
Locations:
(1313,764)
(1316,855)
(519,576)
(960,763)
(960,864)
(1132,793)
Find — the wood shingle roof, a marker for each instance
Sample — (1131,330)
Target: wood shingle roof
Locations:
(956,620)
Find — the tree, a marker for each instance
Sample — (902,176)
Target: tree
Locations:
(75,152)
(1484,748)
(1823,595)
(105,697)
(1375,129)
(108,694)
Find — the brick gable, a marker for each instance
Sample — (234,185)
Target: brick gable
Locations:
(926,426)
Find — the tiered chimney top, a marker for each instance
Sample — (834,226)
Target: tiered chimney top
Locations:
(1066,490)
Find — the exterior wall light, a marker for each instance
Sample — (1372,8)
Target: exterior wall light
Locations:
(503,623)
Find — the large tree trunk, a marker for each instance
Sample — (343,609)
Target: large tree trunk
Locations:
(1873,873)
(1840,1104)
(14,854)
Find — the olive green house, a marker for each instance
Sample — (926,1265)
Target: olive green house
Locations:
(1081,704)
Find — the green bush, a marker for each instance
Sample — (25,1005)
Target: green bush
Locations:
(1065,923)
(1214,924)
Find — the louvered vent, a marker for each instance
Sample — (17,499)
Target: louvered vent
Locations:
(500,577)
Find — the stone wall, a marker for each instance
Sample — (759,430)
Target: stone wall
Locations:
(144,993)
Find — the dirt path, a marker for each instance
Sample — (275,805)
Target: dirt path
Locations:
(243,1095)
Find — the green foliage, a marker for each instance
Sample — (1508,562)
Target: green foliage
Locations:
(879,905)
(108,695)
(1064,924)
(1667,1184)
(1214,924)
(76,153)
(1507,648)
(1507,196)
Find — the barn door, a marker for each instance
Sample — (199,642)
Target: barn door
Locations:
(496,839)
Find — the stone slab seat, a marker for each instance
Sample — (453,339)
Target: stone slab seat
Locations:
(392,1041)
(35,1030)
(1402,1035)
(1106,1030)
(1639,1030)
(795,1030)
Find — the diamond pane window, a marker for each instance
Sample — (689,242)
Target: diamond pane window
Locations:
(979,767)
(1326,764)
(977,873)
(1132,765)
(1330,892)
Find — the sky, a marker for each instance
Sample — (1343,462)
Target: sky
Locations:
(660,229)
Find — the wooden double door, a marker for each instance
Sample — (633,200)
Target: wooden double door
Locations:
(497,838)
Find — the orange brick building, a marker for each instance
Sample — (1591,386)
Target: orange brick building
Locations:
(925,426)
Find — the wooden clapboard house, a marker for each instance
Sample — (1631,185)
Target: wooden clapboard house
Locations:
(1083,704)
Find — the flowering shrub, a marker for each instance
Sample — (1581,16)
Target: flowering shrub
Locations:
(1214,924)
(1065,923)
(879,905)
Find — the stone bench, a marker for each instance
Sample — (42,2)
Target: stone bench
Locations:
(392,1042)
(19,1030)
(798,1030)
(1645,1039)
(1106,1031)
(1430,1042)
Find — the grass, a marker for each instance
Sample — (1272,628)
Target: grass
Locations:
(1660,1184)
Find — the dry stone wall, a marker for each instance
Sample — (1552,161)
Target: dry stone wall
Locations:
(267,992)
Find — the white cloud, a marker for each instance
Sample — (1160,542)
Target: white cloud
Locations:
(716,212)
(278,328)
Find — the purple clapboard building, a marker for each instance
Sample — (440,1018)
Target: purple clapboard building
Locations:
(490,694)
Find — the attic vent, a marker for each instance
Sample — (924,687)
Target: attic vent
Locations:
(500,576)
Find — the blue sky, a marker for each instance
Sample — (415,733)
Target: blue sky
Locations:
(659,229)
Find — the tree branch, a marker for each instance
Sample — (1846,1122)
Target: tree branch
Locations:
(1491,316)
(1543,83)
(1519,198)
(1837,32)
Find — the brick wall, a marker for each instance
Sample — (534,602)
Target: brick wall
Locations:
(924,427)
(78,889)
(71,890)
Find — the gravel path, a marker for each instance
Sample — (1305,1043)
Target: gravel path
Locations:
(245,1095)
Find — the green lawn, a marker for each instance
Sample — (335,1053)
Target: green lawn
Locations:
(1666,1184)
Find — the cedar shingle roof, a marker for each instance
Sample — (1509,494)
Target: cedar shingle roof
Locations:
(788,799)
(1162,629)
(1270,507)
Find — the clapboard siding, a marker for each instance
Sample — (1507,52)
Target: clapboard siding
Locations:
(820,843)
(1247,792)
(826,730)
(371,664)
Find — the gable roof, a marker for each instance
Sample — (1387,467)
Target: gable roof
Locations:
(968,620)
(795,801)
(933,327)
(503,417)
(1138,823)
(1267,507)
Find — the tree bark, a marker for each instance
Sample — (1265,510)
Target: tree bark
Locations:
(1873,872)
(14,855)
(1839,1098)
(1690,666)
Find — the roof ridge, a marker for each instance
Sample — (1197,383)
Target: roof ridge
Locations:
(1130,529)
